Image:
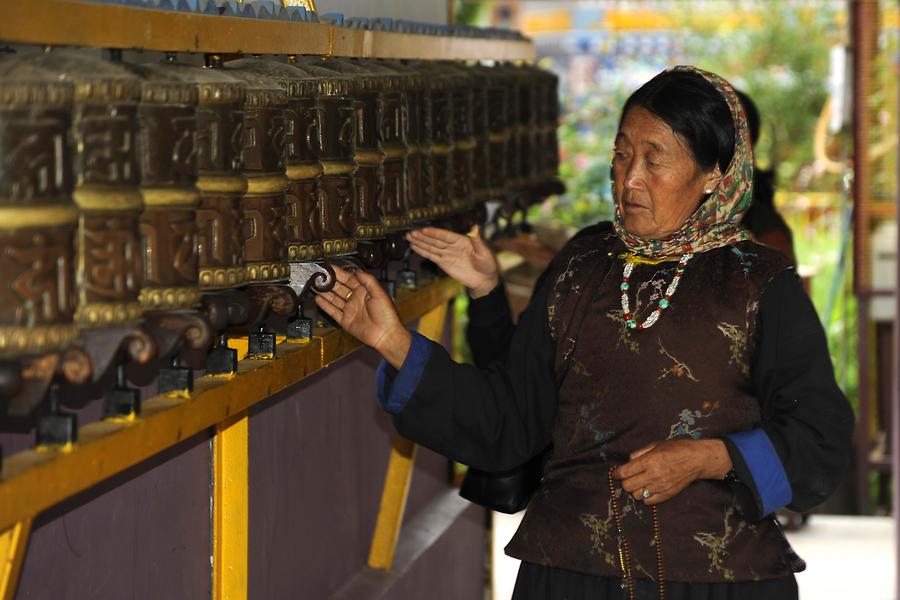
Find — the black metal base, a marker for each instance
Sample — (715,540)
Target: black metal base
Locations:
(121,402)
(261,345)
(222,360)
(176,379)
(57,429)
(407,279)
(300,329)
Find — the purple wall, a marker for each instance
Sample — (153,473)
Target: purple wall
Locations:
(318,454)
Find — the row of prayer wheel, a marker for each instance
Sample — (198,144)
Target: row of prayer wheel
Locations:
(148,207)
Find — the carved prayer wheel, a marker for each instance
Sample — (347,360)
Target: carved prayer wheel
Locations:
(497,133)
(337,157)
(549,134)
(481,176)
(369,87)
(464,144)
(301,154)
(262,156)
(221,186)
(168,158)
(439,161)
(38,217)
(107,174)
(393,134)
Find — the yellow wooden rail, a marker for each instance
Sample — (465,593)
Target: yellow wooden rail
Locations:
(34,480)
(399,472)
(80,23)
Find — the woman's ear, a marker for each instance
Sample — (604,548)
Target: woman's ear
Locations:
(712,180)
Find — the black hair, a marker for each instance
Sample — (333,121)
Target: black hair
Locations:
(694,109)
(752,114)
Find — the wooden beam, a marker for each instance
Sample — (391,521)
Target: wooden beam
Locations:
(398,477)
(34,480)
(231,508)
(80,23)
(13,543)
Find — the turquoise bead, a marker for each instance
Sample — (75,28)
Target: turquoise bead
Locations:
(631,324)
(664,303)
(624,286)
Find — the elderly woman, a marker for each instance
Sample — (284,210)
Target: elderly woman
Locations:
(677,368)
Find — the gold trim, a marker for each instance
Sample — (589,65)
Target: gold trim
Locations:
(36,339)
(169,298)
(303,172)
(101,314)
(396,222)
(498,138)
(339,247)
(395,152)
(466,144)
(170,197)
(302,252)
(222,184)
(21,217)
(367,231)
(441,149)
(259,271)
(338,168)
(369,158)
(222,277)
(108,198)
(268,184)
(413,148)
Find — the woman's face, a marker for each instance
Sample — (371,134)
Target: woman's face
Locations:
(658,185)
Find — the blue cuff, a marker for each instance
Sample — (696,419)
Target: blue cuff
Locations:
(407,378)
(768,475)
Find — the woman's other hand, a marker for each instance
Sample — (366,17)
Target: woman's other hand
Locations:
(465,258)
(665,468)
(363,309)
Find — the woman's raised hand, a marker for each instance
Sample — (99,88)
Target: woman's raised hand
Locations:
(363,309)
(465,258)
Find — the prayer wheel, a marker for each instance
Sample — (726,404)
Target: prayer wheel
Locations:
(336,109)
(167,117)
(464,145)
(370,85)
(301,155)
(221,187)
(109,266)
(439,137)
(497,131)
(262,157)
(38,218)
(481,171)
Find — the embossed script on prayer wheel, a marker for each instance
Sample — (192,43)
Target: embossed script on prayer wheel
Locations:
(439,162)
(37,215)
(168,224)
(506,74)
(498,134)
(419,192)
(369,86)
(106,170)
(218,144)
(337,150)
(464,142)
(481,182)
(262,155)
(301,144)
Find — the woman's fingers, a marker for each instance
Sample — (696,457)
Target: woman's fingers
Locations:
(330,309)
(424,251)
(443,236)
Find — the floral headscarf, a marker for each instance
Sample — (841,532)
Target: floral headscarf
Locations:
(717,221)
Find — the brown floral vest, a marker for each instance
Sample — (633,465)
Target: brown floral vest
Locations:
(686,376)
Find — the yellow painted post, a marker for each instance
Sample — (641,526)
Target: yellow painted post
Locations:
(231,508)
(13,543)
(399,471)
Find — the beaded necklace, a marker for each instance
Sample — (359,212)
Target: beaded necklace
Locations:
(663,303)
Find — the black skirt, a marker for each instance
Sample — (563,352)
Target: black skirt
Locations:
(536,582)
